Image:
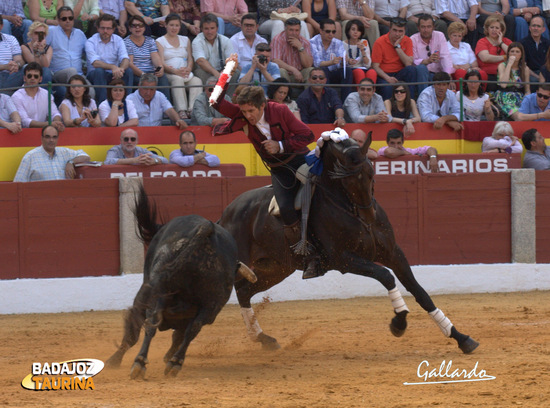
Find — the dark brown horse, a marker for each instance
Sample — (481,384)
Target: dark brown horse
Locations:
(350,230)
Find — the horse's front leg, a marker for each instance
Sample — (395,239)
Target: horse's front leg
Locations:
(398,263)
(360,266)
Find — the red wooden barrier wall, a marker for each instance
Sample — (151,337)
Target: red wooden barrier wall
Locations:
(71,227)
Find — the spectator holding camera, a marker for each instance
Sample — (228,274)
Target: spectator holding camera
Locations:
(78,109)
(36,50)
(261,69)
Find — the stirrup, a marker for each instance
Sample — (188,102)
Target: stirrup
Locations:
(313,269)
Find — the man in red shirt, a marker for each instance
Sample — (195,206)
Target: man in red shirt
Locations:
(392,58)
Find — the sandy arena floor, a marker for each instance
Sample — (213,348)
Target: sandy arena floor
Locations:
(335,353)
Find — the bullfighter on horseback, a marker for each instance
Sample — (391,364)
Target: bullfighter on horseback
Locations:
(281,141)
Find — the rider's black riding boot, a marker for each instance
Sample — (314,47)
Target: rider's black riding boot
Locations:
(312,262)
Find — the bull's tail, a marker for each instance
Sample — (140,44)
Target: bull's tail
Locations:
(146,214)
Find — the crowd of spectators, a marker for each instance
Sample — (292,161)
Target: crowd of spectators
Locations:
(343,61)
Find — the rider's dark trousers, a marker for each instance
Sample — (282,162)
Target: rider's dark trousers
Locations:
(285,187)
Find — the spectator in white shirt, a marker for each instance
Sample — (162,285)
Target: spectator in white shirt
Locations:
(32,101)
(245,41)
(151,105)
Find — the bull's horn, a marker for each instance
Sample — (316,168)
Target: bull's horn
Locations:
(246,273)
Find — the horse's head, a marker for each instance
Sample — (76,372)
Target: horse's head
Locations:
(347,163)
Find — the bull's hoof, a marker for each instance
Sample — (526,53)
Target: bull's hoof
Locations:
(398,324)
(468,346)
(173,368)
(268,342)
(138,368)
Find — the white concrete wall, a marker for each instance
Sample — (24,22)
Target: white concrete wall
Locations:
(117,293)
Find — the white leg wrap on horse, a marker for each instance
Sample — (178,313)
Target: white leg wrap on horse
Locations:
(251,323)
(442,321)
(397,301)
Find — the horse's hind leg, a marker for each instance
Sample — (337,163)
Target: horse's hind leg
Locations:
(398,263)
(360,266)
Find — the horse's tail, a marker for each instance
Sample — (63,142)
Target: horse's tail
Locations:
(146,214)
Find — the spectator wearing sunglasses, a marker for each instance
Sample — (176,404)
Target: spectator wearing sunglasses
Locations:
(537,154)
(149,11)
(32,101)
(535,106)
(430,52)
(385,10)
(203,114)
(15,22)
(392,58)
(67,43)
(86,13)
(328,54)
(261,70)
(320,104)
(128,152)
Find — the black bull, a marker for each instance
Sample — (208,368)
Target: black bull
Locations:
(350,229)
(189,272)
